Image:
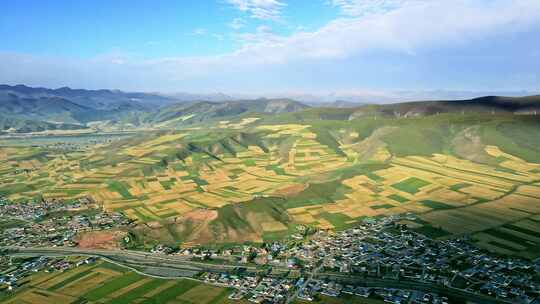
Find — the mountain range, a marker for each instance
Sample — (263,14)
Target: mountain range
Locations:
(27,109)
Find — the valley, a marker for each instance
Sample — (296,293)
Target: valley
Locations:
(270,152)
(259,178)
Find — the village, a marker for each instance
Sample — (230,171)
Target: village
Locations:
(48,223)
(384,251)
(379,258)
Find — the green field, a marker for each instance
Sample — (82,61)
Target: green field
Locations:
(411,185)
(120,287)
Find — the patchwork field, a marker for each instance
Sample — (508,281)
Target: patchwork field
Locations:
(250,181)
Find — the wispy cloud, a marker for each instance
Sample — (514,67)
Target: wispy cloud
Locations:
(405,30)
(262,34)
(260,9)
(237,23)
(366,7)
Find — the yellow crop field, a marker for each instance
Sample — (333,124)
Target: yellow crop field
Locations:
(85,284)
(533,191)
(324,224)
(160,288)
(272,226)
(285,129)
(201,294)
(496,152)
(61,277)
(208,199)
(145,212)
(303,218)
(297,210)
(40,297)
(482,191)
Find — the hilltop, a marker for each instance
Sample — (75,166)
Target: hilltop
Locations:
(75,106)
(206,111)
(487,104)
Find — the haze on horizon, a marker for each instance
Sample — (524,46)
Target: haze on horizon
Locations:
(273,47)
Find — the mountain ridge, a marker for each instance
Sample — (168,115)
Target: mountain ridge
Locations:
(67,107)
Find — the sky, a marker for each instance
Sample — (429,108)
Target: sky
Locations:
(332,47)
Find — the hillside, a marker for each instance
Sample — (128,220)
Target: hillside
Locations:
(18,125)
(206,111)
(488,104)
(77,106)
(258,181)
(67,105)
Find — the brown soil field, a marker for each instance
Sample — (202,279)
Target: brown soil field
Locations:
(100,239)
(201,215)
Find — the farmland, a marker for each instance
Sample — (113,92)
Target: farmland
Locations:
(107,283)
(257,179)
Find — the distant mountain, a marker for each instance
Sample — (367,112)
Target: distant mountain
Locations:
(67,105)
(18,125)
(202,111)
(337,104)
(189,97)
(66,108)
(386,97)
(488,104)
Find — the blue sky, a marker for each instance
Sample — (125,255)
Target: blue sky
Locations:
(273,46)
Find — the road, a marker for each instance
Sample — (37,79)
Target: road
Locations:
(135,259)
(145,262)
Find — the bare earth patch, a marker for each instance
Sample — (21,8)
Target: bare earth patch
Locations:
(201,215)
(291,190)
(100,239)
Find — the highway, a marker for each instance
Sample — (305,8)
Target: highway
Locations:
(130,258)
(154,264)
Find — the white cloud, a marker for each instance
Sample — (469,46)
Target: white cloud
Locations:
(260,9)
(237,23)
(366,7)
(407,29)
(263,34)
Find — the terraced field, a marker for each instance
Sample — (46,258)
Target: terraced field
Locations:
(257,180)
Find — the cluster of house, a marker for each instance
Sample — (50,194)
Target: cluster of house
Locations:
(260,289)
(14,272)
(256,289)
(54,223)
(388,295)
(382,249)
(36,209)
(387,250)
